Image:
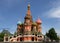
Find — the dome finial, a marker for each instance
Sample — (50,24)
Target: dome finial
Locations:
(28,6)
(28,11)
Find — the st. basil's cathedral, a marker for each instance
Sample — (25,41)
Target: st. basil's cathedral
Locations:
(28,31)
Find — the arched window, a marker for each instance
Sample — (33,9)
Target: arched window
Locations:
(32,38)
(6,38)
(20,38)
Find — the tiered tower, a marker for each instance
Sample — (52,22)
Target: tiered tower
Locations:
(27,25)
(39,22)
(28,22)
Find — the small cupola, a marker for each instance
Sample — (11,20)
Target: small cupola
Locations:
(38,21)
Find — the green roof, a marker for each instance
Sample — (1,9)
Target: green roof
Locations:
(34,23)
(39,33)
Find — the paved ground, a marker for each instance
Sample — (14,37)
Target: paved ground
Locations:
(29,42)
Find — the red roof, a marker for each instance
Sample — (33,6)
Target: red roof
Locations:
(38,20)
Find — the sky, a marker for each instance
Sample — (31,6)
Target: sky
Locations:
(12,11)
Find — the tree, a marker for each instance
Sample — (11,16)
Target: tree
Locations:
(15,33)
(3,33)
(52,34)
(6,32)
(1,36)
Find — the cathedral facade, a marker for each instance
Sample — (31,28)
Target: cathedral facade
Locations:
(28,31)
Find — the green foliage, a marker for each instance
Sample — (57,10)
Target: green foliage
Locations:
(1,36)
(15,33)
(6,32)
(3,33)
(52,34)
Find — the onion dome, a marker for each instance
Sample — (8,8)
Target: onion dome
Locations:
(39,34)
(39,21)
(19,23)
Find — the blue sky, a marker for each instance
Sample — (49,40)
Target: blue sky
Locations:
(12,11)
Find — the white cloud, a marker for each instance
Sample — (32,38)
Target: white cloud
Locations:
(53,13)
